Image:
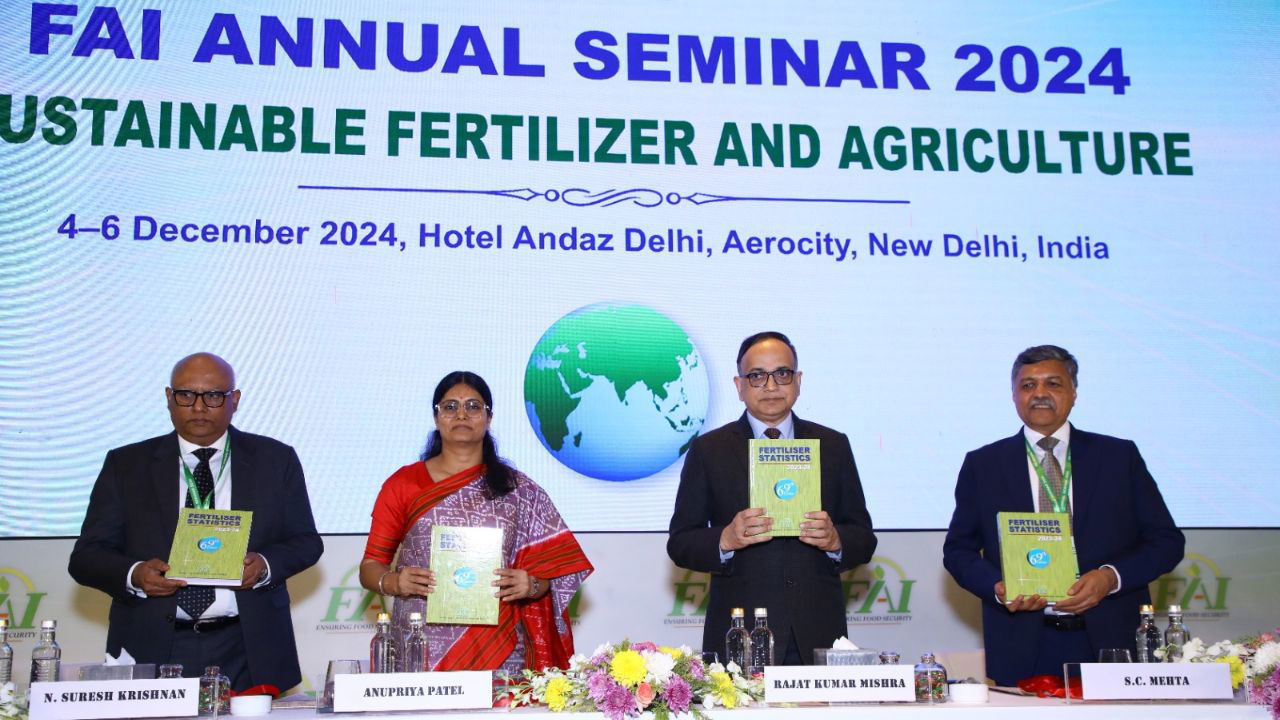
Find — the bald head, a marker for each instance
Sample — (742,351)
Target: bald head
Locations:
(209,384)
(202,361)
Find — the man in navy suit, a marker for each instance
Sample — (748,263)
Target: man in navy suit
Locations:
(133,513)
(714,530)
(1124,535)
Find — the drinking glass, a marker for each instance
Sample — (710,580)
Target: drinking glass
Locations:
(1115,655)
(336,667)
(172,670)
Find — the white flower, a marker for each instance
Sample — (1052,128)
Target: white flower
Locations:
(6,693)
(659,666)
(602,649)
(709,701)
(1192,649)
(686,651)
(1264,659)
(732,668)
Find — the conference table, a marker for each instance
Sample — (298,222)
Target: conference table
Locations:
(1000,707)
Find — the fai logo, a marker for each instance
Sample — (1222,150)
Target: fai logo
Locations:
(351,607)
(1198,585)
(19,602)
(878,593)
(689,605)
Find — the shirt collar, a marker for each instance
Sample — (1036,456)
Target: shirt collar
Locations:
(786,427)
(187,447)
(1063,434)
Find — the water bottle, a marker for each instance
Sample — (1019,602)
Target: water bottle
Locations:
(737,643)
(1176,635)
(6,653)
(1148,636)
(931,680)
(761,644)
(382,650)
(46,656)
(416,656)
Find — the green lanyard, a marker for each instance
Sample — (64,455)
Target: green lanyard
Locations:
(1058,500)
(193,491)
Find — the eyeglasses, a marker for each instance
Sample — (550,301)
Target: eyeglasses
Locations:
(760,378)
(455,408)
(212,398)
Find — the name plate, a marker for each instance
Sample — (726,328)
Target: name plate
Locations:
(86,699)
(1155,681)
(839,683)
(469,690)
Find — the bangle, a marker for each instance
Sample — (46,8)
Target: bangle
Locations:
(534,586)
(380,579)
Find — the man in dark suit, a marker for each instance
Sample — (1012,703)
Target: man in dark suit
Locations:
(1124,535)
(713,529)
(133,514)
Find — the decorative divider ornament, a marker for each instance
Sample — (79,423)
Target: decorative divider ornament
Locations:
(581,197)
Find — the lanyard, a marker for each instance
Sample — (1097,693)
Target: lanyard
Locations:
(193,491)
(1058,500)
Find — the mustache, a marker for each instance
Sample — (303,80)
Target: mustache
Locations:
(1044,402)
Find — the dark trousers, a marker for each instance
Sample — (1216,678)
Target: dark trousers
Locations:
(1058,647)
(223,647)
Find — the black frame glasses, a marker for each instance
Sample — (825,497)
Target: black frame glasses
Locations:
(211,398)
(466,409)
(760,378)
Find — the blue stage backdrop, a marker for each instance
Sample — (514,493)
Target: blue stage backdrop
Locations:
(592,203)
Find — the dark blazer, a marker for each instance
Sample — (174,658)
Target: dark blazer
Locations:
(1118,519)
(798,583)
(132,516)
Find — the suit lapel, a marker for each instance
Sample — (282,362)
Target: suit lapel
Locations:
(1016,478)
(740,449)
(1084,474)
(242,486)
(164,481)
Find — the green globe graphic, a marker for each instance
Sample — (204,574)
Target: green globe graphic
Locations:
(616,392)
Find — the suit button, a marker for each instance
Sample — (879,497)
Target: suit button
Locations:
(791,583)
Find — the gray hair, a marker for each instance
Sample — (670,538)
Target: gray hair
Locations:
(1041,353)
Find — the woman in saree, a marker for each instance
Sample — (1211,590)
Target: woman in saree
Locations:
(461,481)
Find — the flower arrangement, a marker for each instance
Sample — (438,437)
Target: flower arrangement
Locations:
(625,680)
(1261,655)
(1255,658)
(12,705)
(1223,651)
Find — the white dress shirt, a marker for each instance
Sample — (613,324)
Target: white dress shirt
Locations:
(224,601)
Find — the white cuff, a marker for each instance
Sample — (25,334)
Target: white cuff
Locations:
(128,581)
(1119,580)
(266,578)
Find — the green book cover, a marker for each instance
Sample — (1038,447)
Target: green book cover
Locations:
(209,546)
(1037,554)
(463,560)
(786,480)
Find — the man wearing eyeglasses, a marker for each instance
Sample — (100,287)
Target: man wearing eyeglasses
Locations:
(132,515)
(713,529)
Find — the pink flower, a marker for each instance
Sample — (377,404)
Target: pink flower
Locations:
(644,696)
(678,694)
(643,646)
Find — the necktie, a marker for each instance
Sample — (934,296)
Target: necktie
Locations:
(195,599)
(772,433)
(1052,473)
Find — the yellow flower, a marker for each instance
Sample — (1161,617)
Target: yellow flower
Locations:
(673,652)
(557,693)
(1237,670)
(627,668)
(728,696)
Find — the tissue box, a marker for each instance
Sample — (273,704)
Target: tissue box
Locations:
(831,656)
(141,671)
